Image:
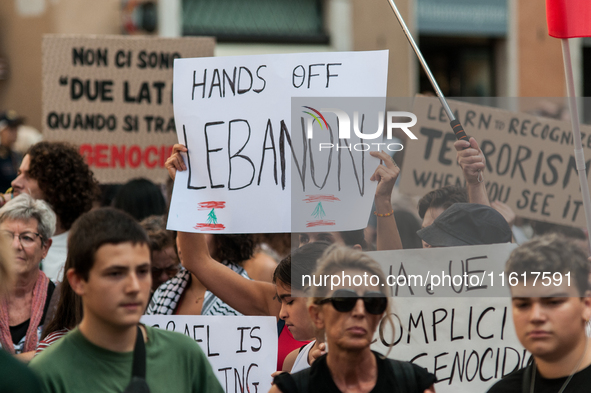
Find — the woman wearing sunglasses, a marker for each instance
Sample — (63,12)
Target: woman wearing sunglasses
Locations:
(350,315)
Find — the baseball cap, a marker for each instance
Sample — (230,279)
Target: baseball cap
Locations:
(465,224)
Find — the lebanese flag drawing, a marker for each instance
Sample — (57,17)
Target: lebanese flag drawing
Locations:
(568,18)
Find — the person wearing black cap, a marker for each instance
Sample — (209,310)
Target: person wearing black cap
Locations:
(466,224)
(9,159)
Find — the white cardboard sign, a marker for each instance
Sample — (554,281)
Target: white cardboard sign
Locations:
(235,116)
(465,337)
(242,350)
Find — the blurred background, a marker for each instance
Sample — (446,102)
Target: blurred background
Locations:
(474,47)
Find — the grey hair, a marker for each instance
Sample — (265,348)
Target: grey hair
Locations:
(24,207)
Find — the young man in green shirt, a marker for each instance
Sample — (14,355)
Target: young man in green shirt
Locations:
(108,266)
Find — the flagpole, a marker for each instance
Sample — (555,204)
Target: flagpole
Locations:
(574,115)
(457,128)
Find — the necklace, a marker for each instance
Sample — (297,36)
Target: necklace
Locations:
(533,374)
(196,296)
(194,291)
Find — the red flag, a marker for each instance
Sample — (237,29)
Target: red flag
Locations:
(568,18)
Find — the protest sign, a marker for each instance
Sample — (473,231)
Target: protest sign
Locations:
(112,96)
(530,162)
(460,329)
(250,161)
(242,350)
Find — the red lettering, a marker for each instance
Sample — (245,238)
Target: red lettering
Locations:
(150,150)
(163,155)
(100,158)
(134,156)
(86,152)
(118,156)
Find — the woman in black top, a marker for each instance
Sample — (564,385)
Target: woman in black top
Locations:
(350,315)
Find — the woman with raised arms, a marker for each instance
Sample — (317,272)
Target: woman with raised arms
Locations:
(281,299)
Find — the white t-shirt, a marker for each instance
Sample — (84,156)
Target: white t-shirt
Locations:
(301,362)
(53,264)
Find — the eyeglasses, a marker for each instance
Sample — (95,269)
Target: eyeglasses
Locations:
(26,239)
(170,270)
(344,300)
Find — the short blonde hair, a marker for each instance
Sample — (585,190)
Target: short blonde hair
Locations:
(338,259)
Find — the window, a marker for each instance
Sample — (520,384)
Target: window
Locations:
(282,21)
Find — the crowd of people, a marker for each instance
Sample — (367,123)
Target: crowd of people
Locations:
(81,262)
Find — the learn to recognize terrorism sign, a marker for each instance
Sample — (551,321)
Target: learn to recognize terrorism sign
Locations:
(452,314)
(530,163)
(252,163)
(112,96)
(242,350)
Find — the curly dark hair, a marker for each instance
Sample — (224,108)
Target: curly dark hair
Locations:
(233,248)
(66,180)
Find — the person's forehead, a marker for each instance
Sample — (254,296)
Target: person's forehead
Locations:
(360,281)
(30,223)
(164,258)
(331,237)
(282,288)
(430,215)
(121,254)
(25,163)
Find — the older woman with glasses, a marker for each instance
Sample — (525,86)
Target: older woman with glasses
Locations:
(349,316)
(27,224)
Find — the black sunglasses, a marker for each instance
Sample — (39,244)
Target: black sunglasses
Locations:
(344,300)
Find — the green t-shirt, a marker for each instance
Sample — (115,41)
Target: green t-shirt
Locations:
(174,363)
(15,377)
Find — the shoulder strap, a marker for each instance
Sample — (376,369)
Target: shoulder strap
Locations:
(526,380)
(138,382)
(404,375)
(138,368)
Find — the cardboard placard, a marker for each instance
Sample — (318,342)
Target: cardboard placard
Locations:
(467,342)
(530,162)
(233,114)
(112,96)
(242,350)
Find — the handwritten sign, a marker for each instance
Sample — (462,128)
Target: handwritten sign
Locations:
(112,96)
(242,350)
(462,331)
(530,162)
(250,162)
